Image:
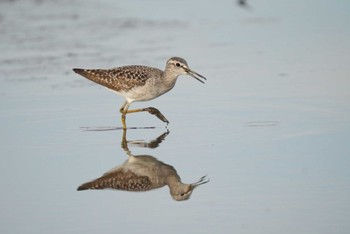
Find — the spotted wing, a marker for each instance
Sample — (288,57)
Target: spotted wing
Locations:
(120,78)
(121,180)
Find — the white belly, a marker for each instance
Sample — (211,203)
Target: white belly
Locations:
(143,93)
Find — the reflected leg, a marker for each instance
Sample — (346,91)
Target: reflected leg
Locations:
(124,143)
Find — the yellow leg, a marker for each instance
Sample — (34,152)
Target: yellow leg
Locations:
(152,111)
(125,110)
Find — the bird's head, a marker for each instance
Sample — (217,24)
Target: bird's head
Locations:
(179,66)
(183,192)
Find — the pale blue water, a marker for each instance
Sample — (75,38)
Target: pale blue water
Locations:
(270,127)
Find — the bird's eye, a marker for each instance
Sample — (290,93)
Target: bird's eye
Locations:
(182,194)
(178,64)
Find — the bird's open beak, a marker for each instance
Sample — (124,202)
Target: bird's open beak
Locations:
(195,75)
(202,180)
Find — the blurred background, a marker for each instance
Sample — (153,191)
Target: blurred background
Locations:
(270,127)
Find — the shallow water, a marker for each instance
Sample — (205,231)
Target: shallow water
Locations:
(270,127)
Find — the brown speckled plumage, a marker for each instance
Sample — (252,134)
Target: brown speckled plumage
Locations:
(140,83)
(143,173)
(120,78)
(128,181)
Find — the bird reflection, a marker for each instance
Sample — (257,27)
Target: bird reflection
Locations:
(144,173)
(151,144)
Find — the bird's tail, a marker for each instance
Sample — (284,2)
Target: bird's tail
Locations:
(100,183)
(89,185)
(99,76)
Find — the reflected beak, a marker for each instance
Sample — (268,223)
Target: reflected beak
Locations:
(195,75)
(202,180)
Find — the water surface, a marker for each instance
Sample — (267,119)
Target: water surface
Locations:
(270,127)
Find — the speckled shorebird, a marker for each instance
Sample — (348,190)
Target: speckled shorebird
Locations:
(140,83)
(143,173)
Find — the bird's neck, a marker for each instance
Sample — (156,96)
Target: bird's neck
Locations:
(173,180)
(169,78)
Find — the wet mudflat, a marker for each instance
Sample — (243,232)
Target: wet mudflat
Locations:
(270,127)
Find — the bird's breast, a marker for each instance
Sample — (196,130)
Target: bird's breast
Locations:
(152,89)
